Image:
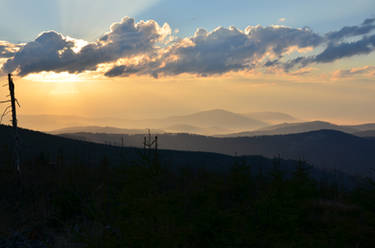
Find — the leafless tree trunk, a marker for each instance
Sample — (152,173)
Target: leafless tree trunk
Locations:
(13,102)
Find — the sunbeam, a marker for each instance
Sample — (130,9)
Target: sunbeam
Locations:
(93,16)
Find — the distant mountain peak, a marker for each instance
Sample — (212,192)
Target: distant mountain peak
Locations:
(271,117)
(216,117)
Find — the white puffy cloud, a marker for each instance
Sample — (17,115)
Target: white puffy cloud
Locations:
(147,48)
(224,50)
(52,51)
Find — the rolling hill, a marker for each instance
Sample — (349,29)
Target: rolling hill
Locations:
(216,118)
(300,127)
(368,133)
(325,149)
(51,148)
(182,128)
(271,117)
(363,127)
(35,145)
(98,129)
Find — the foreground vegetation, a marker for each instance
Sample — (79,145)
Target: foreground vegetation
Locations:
(146,205)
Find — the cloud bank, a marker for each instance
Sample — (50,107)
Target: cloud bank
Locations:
(52,51)
(347,42)
(147,48)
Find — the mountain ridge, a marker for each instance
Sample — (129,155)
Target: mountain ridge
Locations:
(300,127)
(37,145)
(204,120)
(326,149)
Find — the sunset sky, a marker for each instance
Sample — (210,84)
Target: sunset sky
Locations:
(155,58)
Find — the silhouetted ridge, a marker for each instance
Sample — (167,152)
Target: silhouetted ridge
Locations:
(74,152)
(325,149)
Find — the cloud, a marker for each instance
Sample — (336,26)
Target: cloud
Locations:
(346,49)
(48,52)
(52,51)
(366,27)
(337,47)
(303,71)
(229,49)
(283,19)
(335,51)
(223,50)
(368,21)
(8,50)
(366,70)
(147,48)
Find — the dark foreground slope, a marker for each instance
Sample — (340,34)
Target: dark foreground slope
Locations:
(150,204)
(325,149)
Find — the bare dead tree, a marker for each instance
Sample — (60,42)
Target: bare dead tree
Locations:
(12,109)
(149,143)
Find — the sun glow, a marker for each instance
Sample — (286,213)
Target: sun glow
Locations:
(53,77)
(62,83)
(78,44)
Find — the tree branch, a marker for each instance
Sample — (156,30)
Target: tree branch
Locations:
(6,111)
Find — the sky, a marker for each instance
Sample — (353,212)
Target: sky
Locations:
(155,58)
